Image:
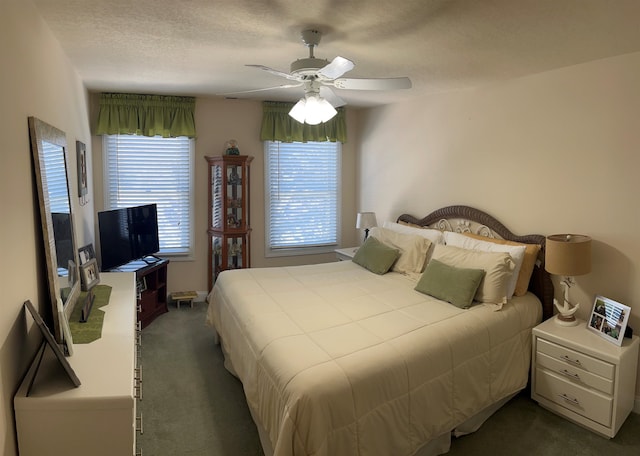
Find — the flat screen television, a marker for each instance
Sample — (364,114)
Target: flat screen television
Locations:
(128,234)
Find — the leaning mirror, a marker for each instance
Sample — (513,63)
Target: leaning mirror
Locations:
(49,148)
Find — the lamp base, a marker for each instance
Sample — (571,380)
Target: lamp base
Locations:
(565,321)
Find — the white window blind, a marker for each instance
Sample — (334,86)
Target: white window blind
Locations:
(302,191)
(144,170)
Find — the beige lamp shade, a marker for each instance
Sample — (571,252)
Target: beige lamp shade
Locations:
(568,254)
(366,220)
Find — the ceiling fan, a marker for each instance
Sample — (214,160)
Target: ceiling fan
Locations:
(317,76)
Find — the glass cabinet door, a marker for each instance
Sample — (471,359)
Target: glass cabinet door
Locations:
(217,197)
(228,252)
(235,216)
(235,249)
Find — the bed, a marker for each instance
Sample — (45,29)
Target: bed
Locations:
(338,360)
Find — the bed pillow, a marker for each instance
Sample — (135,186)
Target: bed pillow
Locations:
(435,236)
(498,267)
(516,251)
(528,263)
(375,256)
(413,249)
(455,285)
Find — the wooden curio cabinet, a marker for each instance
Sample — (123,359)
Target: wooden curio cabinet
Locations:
(229,230)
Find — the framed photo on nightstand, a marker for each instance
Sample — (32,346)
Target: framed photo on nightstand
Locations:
(609,319)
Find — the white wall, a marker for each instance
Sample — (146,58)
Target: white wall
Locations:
(36,79)
(551,153)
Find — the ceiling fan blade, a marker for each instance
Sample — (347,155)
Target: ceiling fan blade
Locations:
(373,84)
(284,86)
(331,97)
(275,72)
(336,68)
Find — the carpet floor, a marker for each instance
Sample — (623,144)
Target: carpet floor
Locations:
(192,406)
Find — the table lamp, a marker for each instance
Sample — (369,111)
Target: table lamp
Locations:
(366,221)
(567,255)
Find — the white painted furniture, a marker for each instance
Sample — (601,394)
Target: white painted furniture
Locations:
(583,377)
(99,417)
(346,254)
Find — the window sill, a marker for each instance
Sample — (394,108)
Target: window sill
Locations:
(273,253)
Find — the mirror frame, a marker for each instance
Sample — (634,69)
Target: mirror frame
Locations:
(40,132)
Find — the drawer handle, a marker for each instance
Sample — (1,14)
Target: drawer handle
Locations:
(569,399)
(138,390)
(566,373)
(138,374)
(139,425)
(139,452)
(575,362)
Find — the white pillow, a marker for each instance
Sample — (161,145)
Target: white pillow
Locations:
(516,252)
(498,267)
(435,236)
(413,249)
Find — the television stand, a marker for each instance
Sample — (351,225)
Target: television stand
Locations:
(151,285)
(151,282)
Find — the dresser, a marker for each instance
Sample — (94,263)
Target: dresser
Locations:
(583,377)
(97,418)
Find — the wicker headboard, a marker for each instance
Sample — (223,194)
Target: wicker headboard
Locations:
(465,219)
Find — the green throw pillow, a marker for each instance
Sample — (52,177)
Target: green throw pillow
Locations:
(449,283)
(376,256)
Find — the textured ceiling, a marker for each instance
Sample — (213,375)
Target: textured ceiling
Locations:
(200,47)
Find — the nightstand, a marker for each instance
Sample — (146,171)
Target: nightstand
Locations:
(346,254)
(583,377)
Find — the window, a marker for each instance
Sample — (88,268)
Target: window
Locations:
(302,194)
(143,170)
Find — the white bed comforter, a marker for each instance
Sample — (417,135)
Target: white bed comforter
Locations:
(336,360)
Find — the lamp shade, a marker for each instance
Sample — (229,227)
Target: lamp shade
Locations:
(312,110)
(568,254)
(366,220)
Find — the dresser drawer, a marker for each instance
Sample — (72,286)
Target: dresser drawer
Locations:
(576,359)
(588,403)
(574,373)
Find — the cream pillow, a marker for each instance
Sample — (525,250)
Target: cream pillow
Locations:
(516,251)
(498,267)
(413,249)
(435,236)
(529,262)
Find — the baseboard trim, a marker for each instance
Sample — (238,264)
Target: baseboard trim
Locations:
(202,297)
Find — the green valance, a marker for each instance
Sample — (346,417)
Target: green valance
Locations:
(146,115)
(277,125)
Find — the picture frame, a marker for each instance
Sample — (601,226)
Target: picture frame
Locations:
(50,341)
(86,253)
(89,274)
(609,319)
(81,154)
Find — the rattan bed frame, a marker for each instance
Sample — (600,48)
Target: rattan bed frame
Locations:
(468,219)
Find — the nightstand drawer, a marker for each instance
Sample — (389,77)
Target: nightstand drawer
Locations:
(588,403)
(576,359)
(574,373)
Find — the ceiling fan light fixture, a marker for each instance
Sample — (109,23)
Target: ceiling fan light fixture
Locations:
(298,110)
(312,110)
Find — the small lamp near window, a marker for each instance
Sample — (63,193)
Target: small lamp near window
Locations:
(365,221)
(567,255)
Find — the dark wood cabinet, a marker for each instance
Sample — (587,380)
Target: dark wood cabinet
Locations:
(152,291)
(229,230)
